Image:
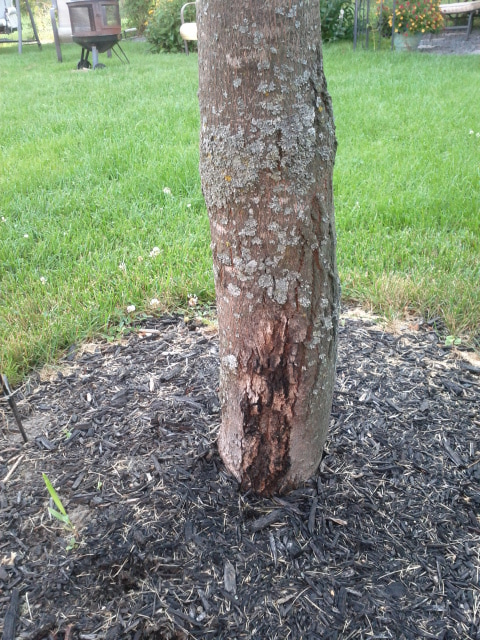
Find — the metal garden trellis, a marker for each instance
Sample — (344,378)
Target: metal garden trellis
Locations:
(362,15)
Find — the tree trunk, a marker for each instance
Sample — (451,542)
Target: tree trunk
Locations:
(266,159)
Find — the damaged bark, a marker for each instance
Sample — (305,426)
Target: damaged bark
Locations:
(266,159)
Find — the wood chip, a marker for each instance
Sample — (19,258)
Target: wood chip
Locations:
(229,577)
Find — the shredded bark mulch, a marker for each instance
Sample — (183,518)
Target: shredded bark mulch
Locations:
(384,542)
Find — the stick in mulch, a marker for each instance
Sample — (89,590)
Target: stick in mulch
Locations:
(13,405)
(11,616)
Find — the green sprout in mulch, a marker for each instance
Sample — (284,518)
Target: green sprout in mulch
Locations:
(61,514)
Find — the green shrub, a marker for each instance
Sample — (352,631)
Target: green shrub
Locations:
(163,32)
(136,13)
(337,19)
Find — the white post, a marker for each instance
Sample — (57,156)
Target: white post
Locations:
(19,25)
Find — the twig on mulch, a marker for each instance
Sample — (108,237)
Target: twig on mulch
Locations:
(11,616)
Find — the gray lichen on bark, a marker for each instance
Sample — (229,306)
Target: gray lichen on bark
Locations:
(267,152)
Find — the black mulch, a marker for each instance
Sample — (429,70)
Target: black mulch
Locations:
(383,543)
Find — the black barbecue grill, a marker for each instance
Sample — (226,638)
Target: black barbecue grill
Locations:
(96,27)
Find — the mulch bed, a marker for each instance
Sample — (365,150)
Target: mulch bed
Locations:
(384,542)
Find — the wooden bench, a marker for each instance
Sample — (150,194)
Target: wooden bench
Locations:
(456,9)
(188,30)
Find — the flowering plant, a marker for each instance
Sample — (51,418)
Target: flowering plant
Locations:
(418,16)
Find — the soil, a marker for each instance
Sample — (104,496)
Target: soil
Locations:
(384,541)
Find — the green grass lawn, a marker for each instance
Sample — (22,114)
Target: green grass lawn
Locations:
(99,168)
(407,182)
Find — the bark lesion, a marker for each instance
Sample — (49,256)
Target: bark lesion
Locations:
(267,408)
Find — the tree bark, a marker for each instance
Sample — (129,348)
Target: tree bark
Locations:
(266,160)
